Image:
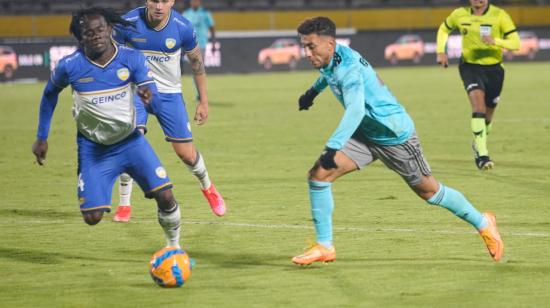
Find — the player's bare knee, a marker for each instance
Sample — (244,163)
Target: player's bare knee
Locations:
(92,218)
(317,173)
(186,152)
(427,188)
(165,199)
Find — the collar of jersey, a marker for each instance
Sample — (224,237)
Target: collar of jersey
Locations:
(108,62)
(163,26)
(330,66)
(484,12)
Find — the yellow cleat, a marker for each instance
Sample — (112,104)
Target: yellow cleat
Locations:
(491,237)
(317,253)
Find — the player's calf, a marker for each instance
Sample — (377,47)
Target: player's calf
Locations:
(169,217)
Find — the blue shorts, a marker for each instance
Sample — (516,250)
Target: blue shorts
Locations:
(100,165)
(172,117)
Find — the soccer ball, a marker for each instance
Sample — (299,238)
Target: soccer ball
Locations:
(170,267)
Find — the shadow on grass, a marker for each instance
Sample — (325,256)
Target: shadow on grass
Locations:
(234,260)
(220,104)
(38,213)
(43,257)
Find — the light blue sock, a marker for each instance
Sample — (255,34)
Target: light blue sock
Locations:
(322,204)
(455,202)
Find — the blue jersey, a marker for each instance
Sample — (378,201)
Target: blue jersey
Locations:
(202,22)
(103,108)
(370,108)
(162,47)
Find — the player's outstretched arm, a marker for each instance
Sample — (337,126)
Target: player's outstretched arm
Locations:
(47,107)
(442,37)
(354,102)
(199,75)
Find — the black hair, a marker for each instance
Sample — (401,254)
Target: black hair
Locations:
(319,25)
(111,17)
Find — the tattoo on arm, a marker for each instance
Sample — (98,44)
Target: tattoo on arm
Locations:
(195,59)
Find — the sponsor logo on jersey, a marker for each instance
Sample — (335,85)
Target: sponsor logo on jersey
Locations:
(170,43)
(108,98)
(161,173)
(123,74)
(158,58)
(139,40)
(86,80)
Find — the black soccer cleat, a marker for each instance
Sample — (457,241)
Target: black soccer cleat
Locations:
(484,163)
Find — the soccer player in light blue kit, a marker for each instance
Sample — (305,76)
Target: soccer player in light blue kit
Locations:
(374,126)
(203,23)
(101,76)
(161,34)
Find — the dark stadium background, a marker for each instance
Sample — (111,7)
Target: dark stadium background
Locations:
(35,33)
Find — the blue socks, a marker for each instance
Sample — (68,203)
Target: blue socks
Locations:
(322,205)
(455,202)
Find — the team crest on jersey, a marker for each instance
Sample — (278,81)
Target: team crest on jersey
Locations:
(170,43)
(123,74)
(161,173)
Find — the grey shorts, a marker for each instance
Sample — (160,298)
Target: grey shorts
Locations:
(406,159)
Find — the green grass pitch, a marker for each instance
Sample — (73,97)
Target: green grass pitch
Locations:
(393,249)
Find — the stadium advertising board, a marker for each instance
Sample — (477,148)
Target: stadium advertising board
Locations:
(247,52)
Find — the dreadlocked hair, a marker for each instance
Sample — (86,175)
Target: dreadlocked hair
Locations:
(111,17)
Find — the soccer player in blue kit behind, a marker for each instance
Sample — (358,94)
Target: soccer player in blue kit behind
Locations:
(161,34)
(374,126)
(101,76)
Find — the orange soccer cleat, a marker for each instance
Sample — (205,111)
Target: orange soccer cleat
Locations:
(491,237)
(317,253)
(215,200)
(123,213)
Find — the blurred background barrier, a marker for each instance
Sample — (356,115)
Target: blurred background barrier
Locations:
(263,51)
(260,35)
(39,18)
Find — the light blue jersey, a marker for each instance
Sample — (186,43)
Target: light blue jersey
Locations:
(202,21)
(370,107)
(162,48)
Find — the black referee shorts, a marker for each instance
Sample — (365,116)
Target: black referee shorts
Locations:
(488,78)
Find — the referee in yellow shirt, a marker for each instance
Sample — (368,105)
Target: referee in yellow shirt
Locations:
(485,30)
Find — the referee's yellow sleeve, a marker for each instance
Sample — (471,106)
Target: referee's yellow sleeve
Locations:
(510,38)
(442,36)
(510,42)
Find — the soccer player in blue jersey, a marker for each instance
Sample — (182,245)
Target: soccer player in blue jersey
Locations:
(101,76)
(161,34)
(374,126)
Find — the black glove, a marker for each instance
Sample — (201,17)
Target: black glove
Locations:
(306,100)
(327,159)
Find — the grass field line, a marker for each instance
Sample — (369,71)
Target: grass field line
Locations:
(356,229)
(301,227)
